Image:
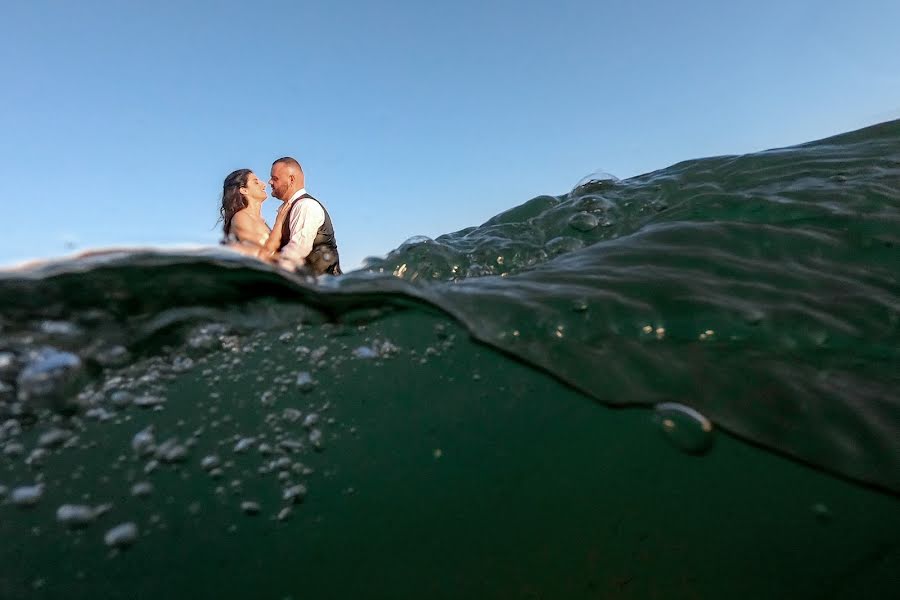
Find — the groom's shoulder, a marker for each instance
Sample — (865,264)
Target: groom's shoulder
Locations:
(316,204)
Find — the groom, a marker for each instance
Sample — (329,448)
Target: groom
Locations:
(307,236)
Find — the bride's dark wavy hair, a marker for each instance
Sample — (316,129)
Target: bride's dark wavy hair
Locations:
(232,199)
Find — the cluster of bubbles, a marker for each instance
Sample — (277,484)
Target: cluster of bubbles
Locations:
(55,390)
(65,395)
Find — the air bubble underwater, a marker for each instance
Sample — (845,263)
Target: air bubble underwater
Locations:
(75,516)
(121,536)
(685,428)
(27,496)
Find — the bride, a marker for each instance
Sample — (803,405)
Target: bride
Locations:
(241,213)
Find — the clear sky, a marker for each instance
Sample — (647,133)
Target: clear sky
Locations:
(119,120)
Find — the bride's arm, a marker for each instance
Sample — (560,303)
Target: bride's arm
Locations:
(272,244)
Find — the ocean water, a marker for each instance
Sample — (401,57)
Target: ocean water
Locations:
(680,385)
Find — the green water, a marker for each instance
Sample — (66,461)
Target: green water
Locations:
(535,492)
(473,416)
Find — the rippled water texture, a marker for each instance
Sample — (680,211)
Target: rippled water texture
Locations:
(761,290)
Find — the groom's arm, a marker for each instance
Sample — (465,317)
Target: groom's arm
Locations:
(305,223)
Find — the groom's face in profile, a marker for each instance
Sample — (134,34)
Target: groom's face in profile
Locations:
(280,180)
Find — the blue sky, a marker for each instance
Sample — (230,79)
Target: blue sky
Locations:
(119,120)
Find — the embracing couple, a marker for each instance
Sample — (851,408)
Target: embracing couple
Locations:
(302,233)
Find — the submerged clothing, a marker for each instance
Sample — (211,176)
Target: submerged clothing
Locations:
(308,234)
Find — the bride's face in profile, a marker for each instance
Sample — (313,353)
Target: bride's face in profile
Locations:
(255,189)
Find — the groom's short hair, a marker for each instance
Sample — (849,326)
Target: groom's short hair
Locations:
(289,161)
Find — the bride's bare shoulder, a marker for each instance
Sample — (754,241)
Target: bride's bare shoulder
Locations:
(242,217)
(243,226)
